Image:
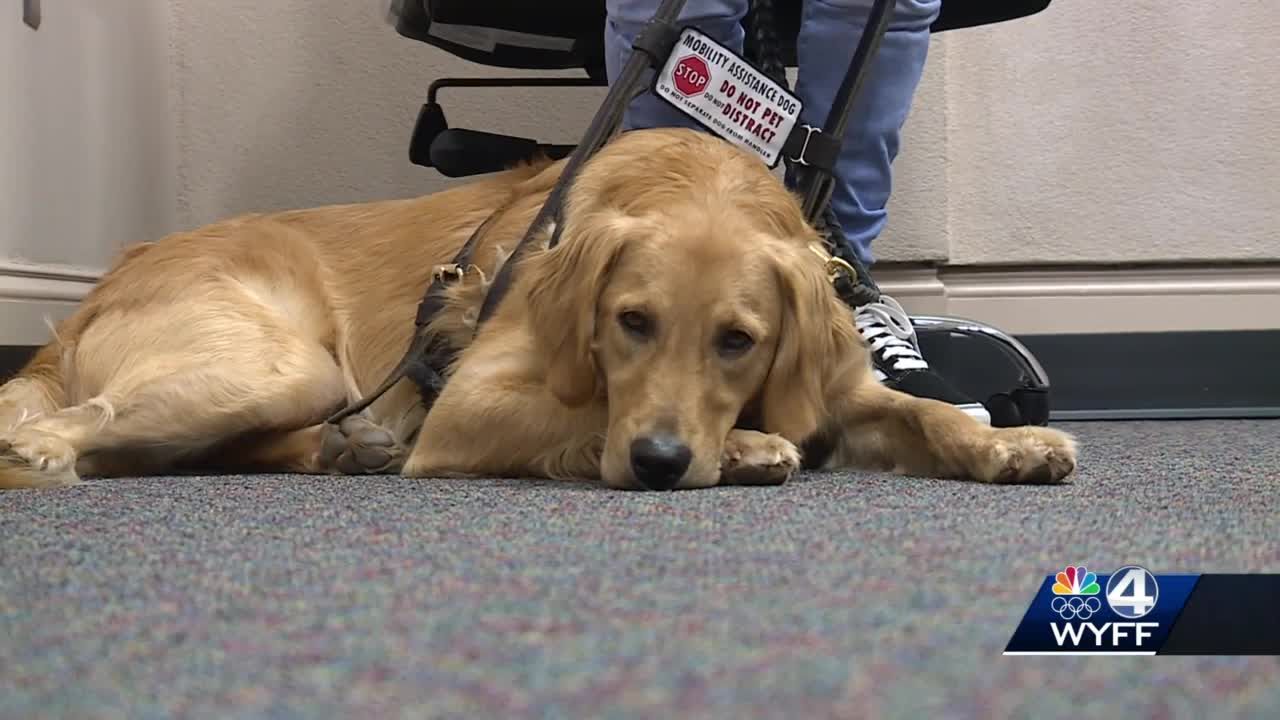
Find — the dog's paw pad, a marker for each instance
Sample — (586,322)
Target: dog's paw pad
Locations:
(1029,455)
(358,446)
(755,458)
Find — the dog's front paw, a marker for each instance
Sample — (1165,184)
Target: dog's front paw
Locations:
(34,459)
(756,458)
(39,450)
(1027,455)
(358,446)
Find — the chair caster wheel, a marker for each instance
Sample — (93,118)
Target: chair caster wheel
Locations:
(1022,406)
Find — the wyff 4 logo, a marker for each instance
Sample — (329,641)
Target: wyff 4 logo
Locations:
(1077,612)
(1131,594)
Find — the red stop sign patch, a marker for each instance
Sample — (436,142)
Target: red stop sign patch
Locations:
(691,75)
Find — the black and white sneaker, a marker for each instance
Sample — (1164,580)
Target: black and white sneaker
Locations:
(897,360)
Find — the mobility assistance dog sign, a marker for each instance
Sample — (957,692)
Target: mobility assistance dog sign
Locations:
(711,84)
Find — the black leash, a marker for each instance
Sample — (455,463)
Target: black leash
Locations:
(810,153)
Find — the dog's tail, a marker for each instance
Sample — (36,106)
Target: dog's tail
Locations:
(37,390)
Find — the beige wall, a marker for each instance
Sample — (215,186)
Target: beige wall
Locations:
(300,102)
(1103,131)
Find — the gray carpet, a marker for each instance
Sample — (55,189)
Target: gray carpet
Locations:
(834,596)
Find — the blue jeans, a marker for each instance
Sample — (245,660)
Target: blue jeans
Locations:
(829,32)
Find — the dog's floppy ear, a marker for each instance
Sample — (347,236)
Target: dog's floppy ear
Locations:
(565,285)
(816,349)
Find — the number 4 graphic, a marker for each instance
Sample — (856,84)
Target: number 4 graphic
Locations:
(1132,592)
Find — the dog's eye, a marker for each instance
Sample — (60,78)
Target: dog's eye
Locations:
(735,342)
(636,323)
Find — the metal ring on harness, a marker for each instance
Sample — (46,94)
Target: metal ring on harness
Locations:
(799,158)
(453,272)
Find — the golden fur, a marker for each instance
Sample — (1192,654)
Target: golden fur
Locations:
(683,302)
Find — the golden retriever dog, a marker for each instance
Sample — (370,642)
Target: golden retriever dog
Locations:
(683,333)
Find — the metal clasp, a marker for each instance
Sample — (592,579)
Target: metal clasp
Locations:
(834,266)
(453,272)
(809,131)
(450,271)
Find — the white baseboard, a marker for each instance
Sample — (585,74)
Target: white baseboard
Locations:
(1097,300)
(32,296)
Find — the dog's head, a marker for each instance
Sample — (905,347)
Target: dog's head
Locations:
(684,292)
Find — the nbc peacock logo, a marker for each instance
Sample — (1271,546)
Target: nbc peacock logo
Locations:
(1076,591)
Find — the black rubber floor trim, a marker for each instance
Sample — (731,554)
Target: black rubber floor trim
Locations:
(1175,373)
(1114,376)
(12,358)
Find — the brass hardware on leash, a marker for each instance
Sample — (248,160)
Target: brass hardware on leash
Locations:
(449,271)
(835,267)
(454,272)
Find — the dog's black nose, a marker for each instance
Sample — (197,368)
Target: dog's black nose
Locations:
(659,461)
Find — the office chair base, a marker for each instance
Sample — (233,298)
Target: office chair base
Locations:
(988,365)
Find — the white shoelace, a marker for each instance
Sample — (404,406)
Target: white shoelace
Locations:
(887,328)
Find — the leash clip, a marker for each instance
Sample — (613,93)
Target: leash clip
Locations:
(834,266)
(446,272)
(453,272)
(837,267)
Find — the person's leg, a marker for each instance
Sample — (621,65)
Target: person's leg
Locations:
(721,19)
(829,34)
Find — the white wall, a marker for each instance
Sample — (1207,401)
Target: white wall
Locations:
(88,150)
(85,131)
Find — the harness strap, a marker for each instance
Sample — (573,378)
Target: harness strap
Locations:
(428,357)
